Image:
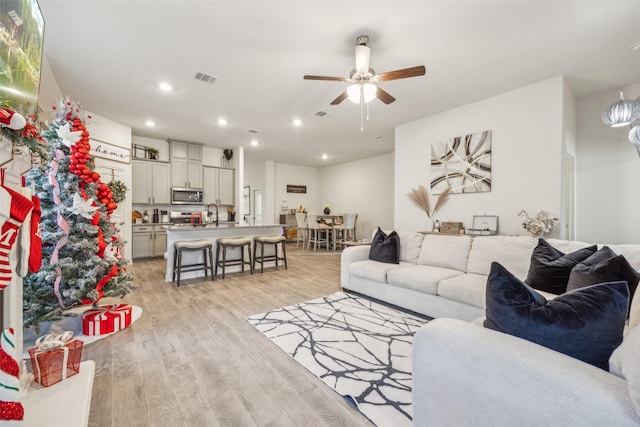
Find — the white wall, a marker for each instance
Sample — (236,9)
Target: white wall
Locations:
(297,175)
(527,149)
(363,186)
(608,174)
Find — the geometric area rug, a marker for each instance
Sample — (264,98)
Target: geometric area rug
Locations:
(360,348)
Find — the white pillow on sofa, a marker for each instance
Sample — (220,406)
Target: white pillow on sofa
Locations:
(513,252)
(445,251)
(410,246)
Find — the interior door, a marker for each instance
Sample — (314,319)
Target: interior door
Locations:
(257,206)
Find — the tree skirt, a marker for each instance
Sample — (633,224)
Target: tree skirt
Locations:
(360,348)
(71,322)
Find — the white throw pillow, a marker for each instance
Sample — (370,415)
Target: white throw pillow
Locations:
(445,251)
(513,252)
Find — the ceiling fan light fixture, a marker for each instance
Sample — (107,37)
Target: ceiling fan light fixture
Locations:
(361,91)
(621,113)
(634,136)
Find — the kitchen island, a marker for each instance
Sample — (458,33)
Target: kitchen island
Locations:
(177,232)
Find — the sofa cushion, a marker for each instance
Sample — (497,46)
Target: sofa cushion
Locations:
(624,363)
(470,289)
(385,247)
(422,278)
(410,243)
(603,266)
(550,268)
(373,270)
(587,323)
(445,251)
(513,252)
(465,288)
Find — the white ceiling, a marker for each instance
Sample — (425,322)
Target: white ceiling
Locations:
(110,55)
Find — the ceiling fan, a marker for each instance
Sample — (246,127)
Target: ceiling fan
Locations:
(363,79)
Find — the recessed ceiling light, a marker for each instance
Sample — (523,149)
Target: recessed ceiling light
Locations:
(297,122)
(165,87)
(222,122)
(325,156)
(254,142)
(150,123)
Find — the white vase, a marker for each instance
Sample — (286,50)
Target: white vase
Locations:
(429,224)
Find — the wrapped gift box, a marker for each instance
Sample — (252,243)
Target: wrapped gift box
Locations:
(106,319)
(54,365)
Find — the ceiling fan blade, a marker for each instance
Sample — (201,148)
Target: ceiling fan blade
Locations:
(384,96)
(362,58)
(333,79)
(340,98)
(402,74)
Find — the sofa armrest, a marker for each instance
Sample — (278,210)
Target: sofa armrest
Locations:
(467,375)
(351,254)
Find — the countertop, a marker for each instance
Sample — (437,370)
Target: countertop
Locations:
(186,224)
(210,226)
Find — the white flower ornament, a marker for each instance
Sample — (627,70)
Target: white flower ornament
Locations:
(82,207)
(68,138)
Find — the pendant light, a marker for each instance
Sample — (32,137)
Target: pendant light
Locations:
(621,113)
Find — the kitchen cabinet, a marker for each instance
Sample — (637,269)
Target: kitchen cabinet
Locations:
(218,186)
(148,241)
(151,182)
(186,159)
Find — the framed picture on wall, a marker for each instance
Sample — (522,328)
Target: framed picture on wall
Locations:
(246,200)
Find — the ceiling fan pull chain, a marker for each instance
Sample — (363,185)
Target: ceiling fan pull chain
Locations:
(361,111)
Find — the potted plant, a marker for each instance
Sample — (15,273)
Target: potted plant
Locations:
(420,196)
(153,153)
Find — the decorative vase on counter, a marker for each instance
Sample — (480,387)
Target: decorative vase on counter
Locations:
(327,211)
(429,224)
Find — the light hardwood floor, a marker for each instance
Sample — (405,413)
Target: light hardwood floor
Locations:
(192,359)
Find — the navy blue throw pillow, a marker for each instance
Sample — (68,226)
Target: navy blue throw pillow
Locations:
(604,266)
(385,248)
(586,323)
(550,269)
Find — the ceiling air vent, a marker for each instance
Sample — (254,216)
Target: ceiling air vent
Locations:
(207,78)
(321,113)
(253,131)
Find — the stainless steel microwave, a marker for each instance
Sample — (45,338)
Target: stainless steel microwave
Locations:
(186,196)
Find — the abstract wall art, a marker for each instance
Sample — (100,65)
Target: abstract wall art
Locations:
(462,163)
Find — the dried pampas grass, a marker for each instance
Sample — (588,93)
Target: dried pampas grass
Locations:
(420,196)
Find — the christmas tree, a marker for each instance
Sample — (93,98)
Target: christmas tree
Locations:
(81,249)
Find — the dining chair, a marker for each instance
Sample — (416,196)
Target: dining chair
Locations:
(347,230)
(303,229)
(318,233)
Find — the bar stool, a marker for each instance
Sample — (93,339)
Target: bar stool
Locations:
(182,246)
(229,243)
(274,240)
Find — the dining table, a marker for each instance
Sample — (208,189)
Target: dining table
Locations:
(332,221)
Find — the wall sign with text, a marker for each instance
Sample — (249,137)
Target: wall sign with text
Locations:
(109,151)
(297,189)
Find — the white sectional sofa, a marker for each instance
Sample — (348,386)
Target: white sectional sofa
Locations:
(467,375)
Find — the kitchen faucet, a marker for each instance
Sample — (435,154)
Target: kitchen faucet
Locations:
(209,212)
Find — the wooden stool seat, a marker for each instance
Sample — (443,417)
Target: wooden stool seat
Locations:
(229,243)
(191,246)
(274,240)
